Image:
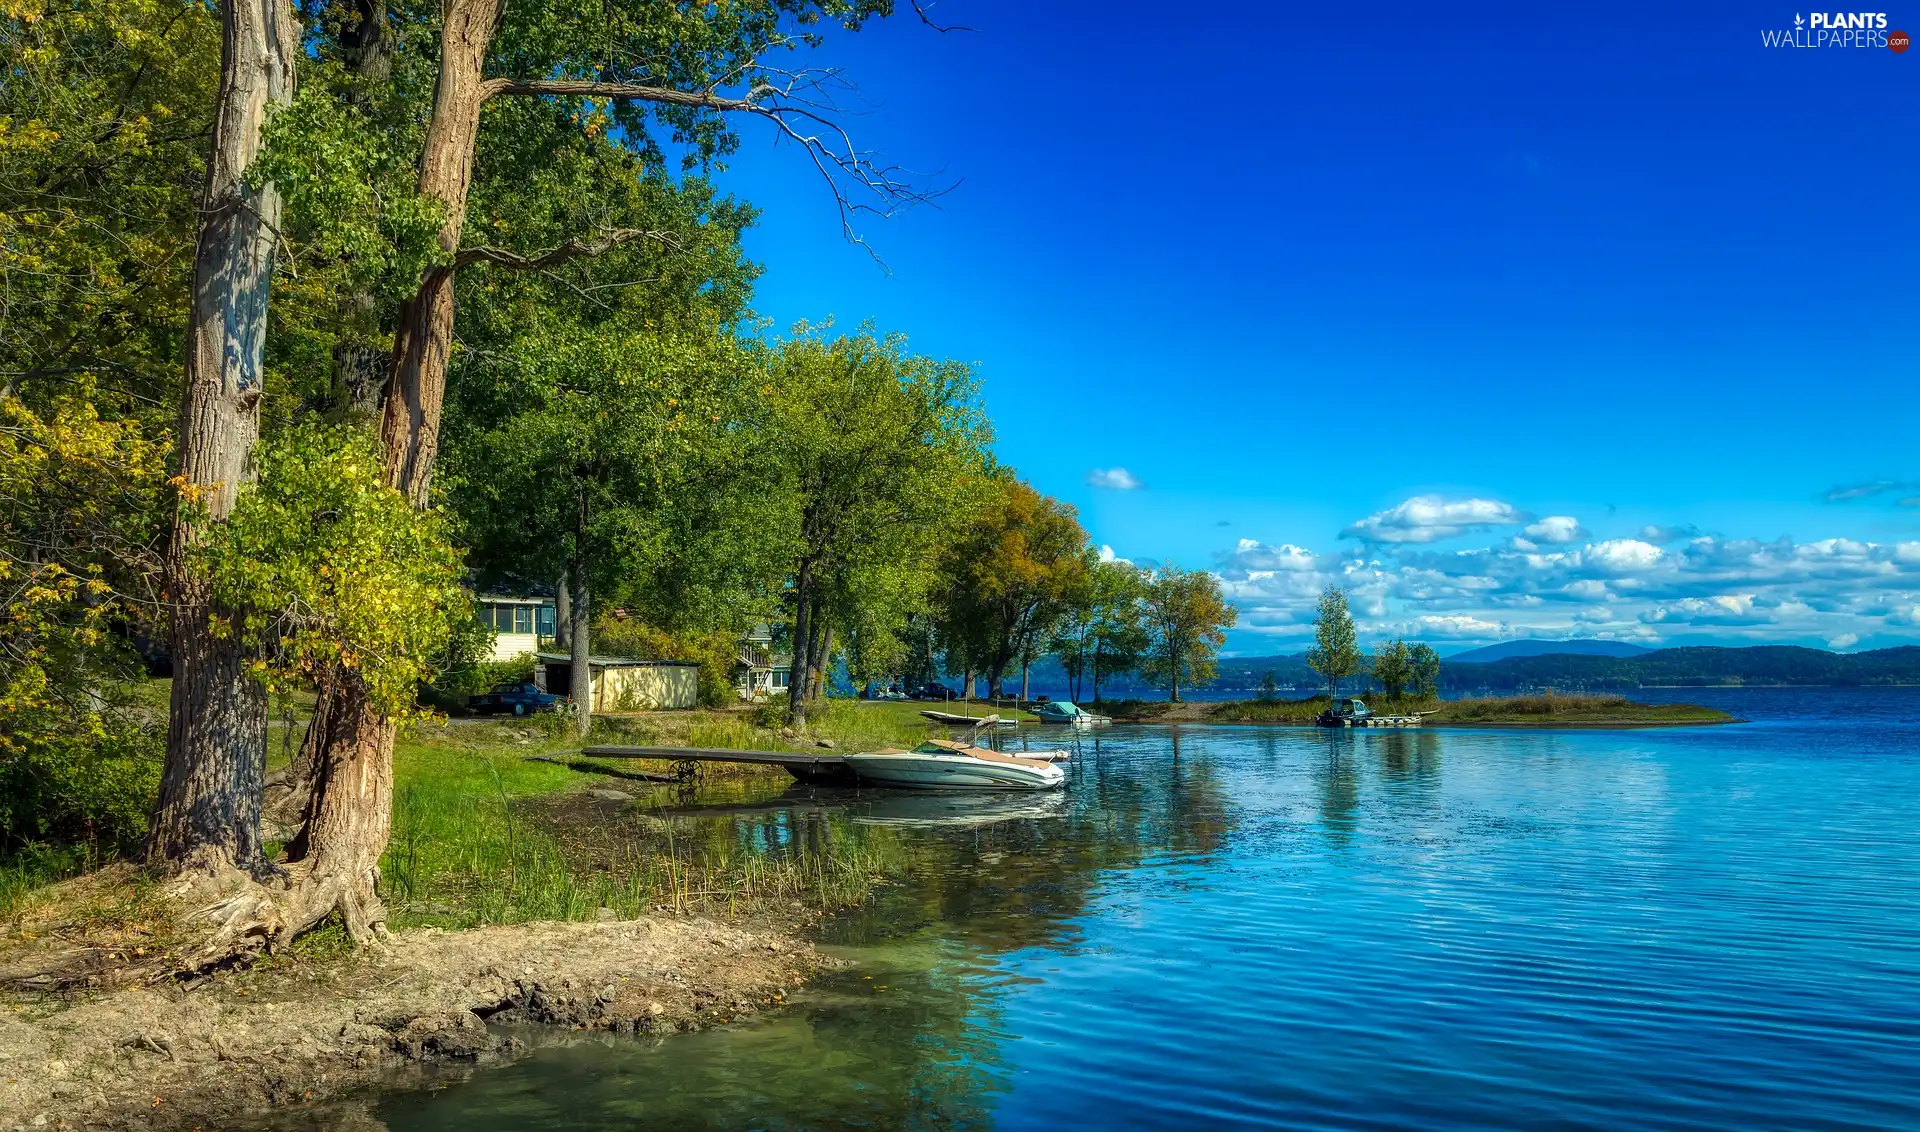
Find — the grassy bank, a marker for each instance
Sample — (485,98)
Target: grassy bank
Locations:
(487,828)
(496,822)
(1498,711)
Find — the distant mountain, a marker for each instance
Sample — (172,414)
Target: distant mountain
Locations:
(1753,666)
(1507,650)
(1757,665)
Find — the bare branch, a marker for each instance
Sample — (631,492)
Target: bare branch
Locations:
(801,107)
(584,88)
(920,10)
(599,243)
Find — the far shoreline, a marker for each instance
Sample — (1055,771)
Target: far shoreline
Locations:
(1515,712)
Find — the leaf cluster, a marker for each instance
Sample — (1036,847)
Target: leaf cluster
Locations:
(330,567)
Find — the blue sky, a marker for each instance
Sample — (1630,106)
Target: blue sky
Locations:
(1451,309)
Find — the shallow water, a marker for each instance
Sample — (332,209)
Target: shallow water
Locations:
(1700,928)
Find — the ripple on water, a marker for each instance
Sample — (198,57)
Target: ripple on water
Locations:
(1281,928)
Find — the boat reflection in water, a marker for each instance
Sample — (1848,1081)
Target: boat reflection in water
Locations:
(957,809)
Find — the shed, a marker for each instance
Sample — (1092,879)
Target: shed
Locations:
(623,684)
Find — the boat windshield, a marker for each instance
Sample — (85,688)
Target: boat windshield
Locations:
(942,747)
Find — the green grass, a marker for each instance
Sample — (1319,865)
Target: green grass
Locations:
(485,832)
(33,867)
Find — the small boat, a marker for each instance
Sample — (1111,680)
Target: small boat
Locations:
(949,763)
(1063,711)
(1353,712)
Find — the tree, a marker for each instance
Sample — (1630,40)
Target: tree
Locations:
(79,573)
(1186,622)
(1393,667)
(602,437)
(1423,670)
(876,449)
(673,62)
(1012,573)
(208,816)
(1117,638)
(1335,654)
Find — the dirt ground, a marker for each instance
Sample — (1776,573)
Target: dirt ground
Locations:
(162,1057)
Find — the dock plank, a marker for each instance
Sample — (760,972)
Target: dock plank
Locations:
(807,766)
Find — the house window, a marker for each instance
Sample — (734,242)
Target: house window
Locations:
(544,619)
(523,618)
(779,678)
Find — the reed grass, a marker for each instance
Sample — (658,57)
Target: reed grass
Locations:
(481,834)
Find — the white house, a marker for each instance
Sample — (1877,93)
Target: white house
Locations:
(519,623)
(760,673)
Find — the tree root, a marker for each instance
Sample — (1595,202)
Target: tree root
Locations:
(262,917)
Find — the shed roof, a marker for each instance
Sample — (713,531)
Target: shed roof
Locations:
(616,661)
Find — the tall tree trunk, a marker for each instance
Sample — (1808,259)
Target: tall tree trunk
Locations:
(208,817)
(966,685)
(797,668)
(410,426)
(819,658)
(579,638)
(1026,667)
(362,362)
(346,819)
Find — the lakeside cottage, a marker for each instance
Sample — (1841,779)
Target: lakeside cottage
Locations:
(761,673)
(520,623)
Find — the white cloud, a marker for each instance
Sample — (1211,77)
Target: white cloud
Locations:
(1107,555)
(1621,555)
(1118,479)
(1844,642)
(1555,530)
(1429,518)
(1456,626)
(1251,555)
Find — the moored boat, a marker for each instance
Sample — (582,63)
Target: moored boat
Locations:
(947,763)
(955,719)
(1071,714)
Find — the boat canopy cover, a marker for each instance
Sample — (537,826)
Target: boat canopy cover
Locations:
(1063,707)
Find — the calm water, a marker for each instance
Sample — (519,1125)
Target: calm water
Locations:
(1220,927)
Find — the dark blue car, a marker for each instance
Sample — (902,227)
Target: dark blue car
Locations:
(520,699)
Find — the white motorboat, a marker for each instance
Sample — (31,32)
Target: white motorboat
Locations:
(947,763)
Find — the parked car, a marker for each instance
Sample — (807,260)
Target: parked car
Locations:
(934,692)
(520,699)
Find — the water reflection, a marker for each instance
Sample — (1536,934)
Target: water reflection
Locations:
(1240,926)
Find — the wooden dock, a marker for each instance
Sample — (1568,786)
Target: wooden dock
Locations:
(807,766)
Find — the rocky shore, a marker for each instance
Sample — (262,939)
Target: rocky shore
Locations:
(284,1035)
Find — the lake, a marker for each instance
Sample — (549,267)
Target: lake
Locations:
(1267,927)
